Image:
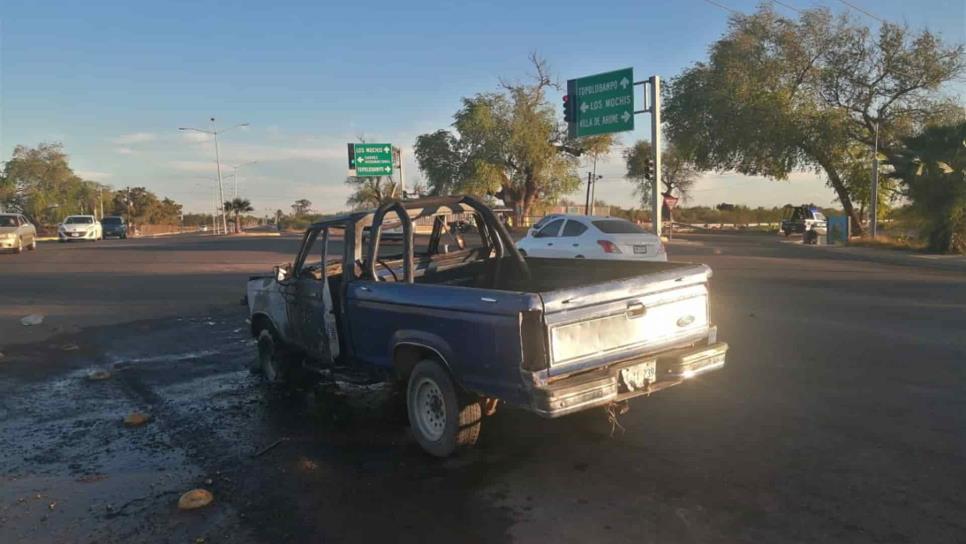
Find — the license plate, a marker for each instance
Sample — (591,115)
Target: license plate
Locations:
(638,376)
(640,250)
(75,234)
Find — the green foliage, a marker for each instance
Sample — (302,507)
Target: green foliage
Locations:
(40,183)
(441,158)
(932,167)
(140,206)
(236,207)
(678,174)
(779,94)
(508,145)
(301,207)
(371,192)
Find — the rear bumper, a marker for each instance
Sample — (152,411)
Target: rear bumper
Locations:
(603,386)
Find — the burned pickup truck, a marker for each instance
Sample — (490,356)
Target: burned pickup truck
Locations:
(462,322)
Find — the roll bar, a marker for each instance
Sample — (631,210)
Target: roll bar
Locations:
(502,241)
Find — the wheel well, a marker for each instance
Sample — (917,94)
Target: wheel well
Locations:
(407,356)
(261,322)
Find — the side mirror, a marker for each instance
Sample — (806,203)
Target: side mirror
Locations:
(281,273)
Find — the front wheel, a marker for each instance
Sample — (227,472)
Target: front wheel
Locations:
(442,419)
(271,358)
(19,248)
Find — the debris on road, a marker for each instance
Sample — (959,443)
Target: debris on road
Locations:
(267,448)
(98,375)
(31,320)
(136,419)
(196,498)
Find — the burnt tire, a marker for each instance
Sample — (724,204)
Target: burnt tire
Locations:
(274,363)
(442,418)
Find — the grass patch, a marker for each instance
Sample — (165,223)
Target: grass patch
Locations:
(888,242)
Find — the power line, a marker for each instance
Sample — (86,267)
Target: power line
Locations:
(793,8)
(722,6)
(860,10)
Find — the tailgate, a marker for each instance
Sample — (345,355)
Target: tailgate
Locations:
(602,323)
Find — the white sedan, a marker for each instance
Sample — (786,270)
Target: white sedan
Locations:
(80,227)
(592,237)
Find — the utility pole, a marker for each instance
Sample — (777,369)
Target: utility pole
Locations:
(874,201)
(221,188)
(593,188)
(656,144)
(587,201)
(402,176)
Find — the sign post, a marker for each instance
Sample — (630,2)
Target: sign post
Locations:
(656,145)
(370,160)
(603,104)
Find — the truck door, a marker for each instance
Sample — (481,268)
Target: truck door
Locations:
(311,305)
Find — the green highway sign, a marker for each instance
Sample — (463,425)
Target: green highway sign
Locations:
(367,160)
(601,103)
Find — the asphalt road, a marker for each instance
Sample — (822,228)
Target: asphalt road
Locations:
(841,416)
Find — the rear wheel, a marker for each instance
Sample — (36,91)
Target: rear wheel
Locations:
(442,418)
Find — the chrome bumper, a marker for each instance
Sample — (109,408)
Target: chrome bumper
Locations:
(603,386)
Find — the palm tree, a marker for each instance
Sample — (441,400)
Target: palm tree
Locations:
(236,207)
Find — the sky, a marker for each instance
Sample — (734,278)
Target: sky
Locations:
(113,82)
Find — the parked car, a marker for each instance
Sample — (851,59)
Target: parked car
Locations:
(114,226)
(802,219)
(466,330)
(16,233)
(543,222)
(592,237)
(79,227)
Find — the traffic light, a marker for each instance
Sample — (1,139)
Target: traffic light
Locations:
(568,109)
(649,169)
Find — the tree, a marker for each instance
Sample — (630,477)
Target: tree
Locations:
(778,95)
(39,182)
(508,144)
(140,206)
(442,159)
(932,167)
(371,192)
(236,207)
(301,207)
(678,174)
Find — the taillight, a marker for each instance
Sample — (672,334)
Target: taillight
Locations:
(609,247)
(534,340)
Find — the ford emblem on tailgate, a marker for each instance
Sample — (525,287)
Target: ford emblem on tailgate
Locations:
(685,321)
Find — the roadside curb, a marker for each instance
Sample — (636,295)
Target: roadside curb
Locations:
(898,257)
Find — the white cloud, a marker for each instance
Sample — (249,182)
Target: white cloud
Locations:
(124,151)
(193,137)
(195,167)
(94,175)
(135,138)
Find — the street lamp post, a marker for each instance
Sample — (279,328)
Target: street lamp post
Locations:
(221,187)
(234,176)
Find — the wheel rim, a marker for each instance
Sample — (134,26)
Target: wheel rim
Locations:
(266,355)
(430,409)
